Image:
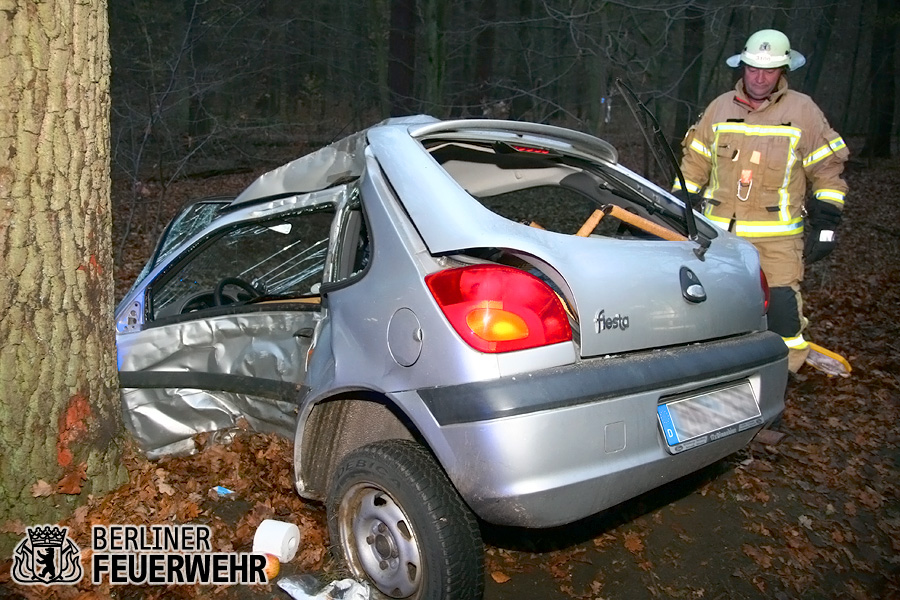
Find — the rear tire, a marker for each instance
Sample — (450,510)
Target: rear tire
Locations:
(395,520)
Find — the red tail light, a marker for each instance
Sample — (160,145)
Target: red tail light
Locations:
(500,309)
(765,289)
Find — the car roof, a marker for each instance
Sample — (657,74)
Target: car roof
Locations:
(335,163)
(344,159)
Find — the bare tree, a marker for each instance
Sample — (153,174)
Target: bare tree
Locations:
(691,63)
(882,65)
(240,77)
(59,410)
(401,67)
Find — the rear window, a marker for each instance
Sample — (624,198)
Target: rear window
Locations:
(559,193)
(552,208)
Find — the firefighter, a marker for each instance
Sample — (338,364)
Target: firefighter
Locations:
(751,154)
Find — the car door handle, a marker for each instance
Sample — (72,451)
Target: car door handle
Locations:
(306,332)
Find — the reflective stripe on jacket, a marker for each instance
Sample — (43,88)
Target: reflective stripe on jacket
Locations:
(753,165)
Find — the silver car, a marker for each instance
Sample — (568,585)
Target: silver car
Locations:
(453,319)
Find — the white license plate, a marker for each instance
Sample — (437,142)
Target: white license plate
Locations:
(695,420)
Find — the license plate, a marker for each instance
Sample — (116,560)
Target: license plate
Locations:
(695,420)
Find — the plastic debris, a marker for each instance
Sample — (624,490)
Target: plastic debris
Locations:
(830,363)
(223,491)
(301,588)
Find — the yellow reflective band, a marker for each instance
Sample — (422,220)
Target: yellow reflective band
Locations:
(768,228)
(762,130)
(717,221)
(691,186)
(836,196)
(825,151)
(698,147)
(837,144)
(796,343)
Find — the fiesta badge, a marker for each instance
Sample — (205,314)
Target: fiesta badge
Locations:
(47,556)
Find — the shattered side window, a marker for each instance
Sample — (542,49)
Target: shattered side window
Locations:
(187,224)
(284,257)
(194,218)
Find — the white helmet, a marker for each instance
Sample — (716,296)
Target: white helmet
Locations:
(768,49)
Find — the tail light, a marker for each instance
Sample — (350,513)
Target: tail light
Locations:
(764,283)
(500,309)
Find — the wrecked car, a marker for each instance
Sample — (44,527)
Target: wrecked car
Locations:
(453,320)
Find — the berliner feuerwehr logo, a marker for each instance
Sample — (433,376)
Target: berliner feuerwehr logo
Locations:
(47,556)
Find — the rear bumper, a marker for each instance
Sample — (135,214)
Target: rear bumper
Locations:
(551,447)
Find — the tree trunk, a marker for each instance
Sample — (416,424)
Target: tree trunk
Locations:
(200,122)
(815,59)
(401,65)
(881,111)
(691,65)
(599,109)
(485,41)
(379,16)
(435,24)
(59,409)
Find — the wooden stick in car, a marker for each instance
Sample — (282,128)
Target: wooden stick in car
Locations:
(590,224)
(642,223)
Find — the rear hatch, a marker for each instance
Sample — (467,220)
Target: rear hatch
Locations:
(517,194)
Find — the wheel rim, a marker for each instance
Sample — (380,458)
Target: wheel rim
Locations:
(379,541)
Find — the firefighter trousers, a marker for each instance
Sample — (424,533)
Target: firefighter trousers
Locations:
(781,259)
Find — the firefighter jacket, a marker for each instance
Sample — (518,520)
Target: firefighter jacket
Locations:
(754,164)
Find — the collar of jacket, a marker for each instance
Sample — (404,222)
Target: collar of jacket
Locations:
(740,94)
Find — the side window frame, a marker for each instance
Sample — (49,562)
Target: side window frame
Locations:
(177,267)
(353,251)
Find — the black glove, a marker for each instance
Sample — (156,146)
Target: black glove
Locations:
(688,199)
(822,220)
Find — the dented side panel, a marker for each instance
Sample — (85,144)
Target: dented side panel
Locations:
(203,375)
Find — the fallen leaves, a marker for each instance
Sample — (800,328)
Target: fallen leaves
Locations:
(633,543)
(72,482)
(870,498)
(176,490)
(500,577)
(42,489)
(817,508)
(759,557)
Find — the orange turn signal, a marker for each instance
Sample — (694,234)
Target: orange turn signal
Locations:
(496,325)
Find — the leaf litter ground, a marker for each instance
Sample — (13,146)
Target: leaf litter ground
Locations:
(814,514)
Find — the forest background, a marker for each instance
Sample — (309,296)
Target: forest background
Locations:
(208,94)
(211,87)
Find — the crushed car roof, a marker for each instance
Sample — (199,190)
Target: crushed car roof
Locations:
(345,158)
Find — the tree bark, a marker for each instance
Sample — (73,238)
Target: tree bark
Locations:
(436,53)
(815,59)
(881,111)
(59,410)
(200,121)
(691,65)
(380,16)
(402,48)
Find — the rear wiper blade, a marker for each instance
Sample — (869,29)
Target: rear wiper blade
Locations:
(665,160)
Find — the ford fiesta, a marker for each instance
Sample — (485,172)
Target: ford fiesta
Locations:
(453,320)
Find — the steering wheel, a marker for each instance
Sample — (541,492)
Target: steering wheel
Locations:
(219,296)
